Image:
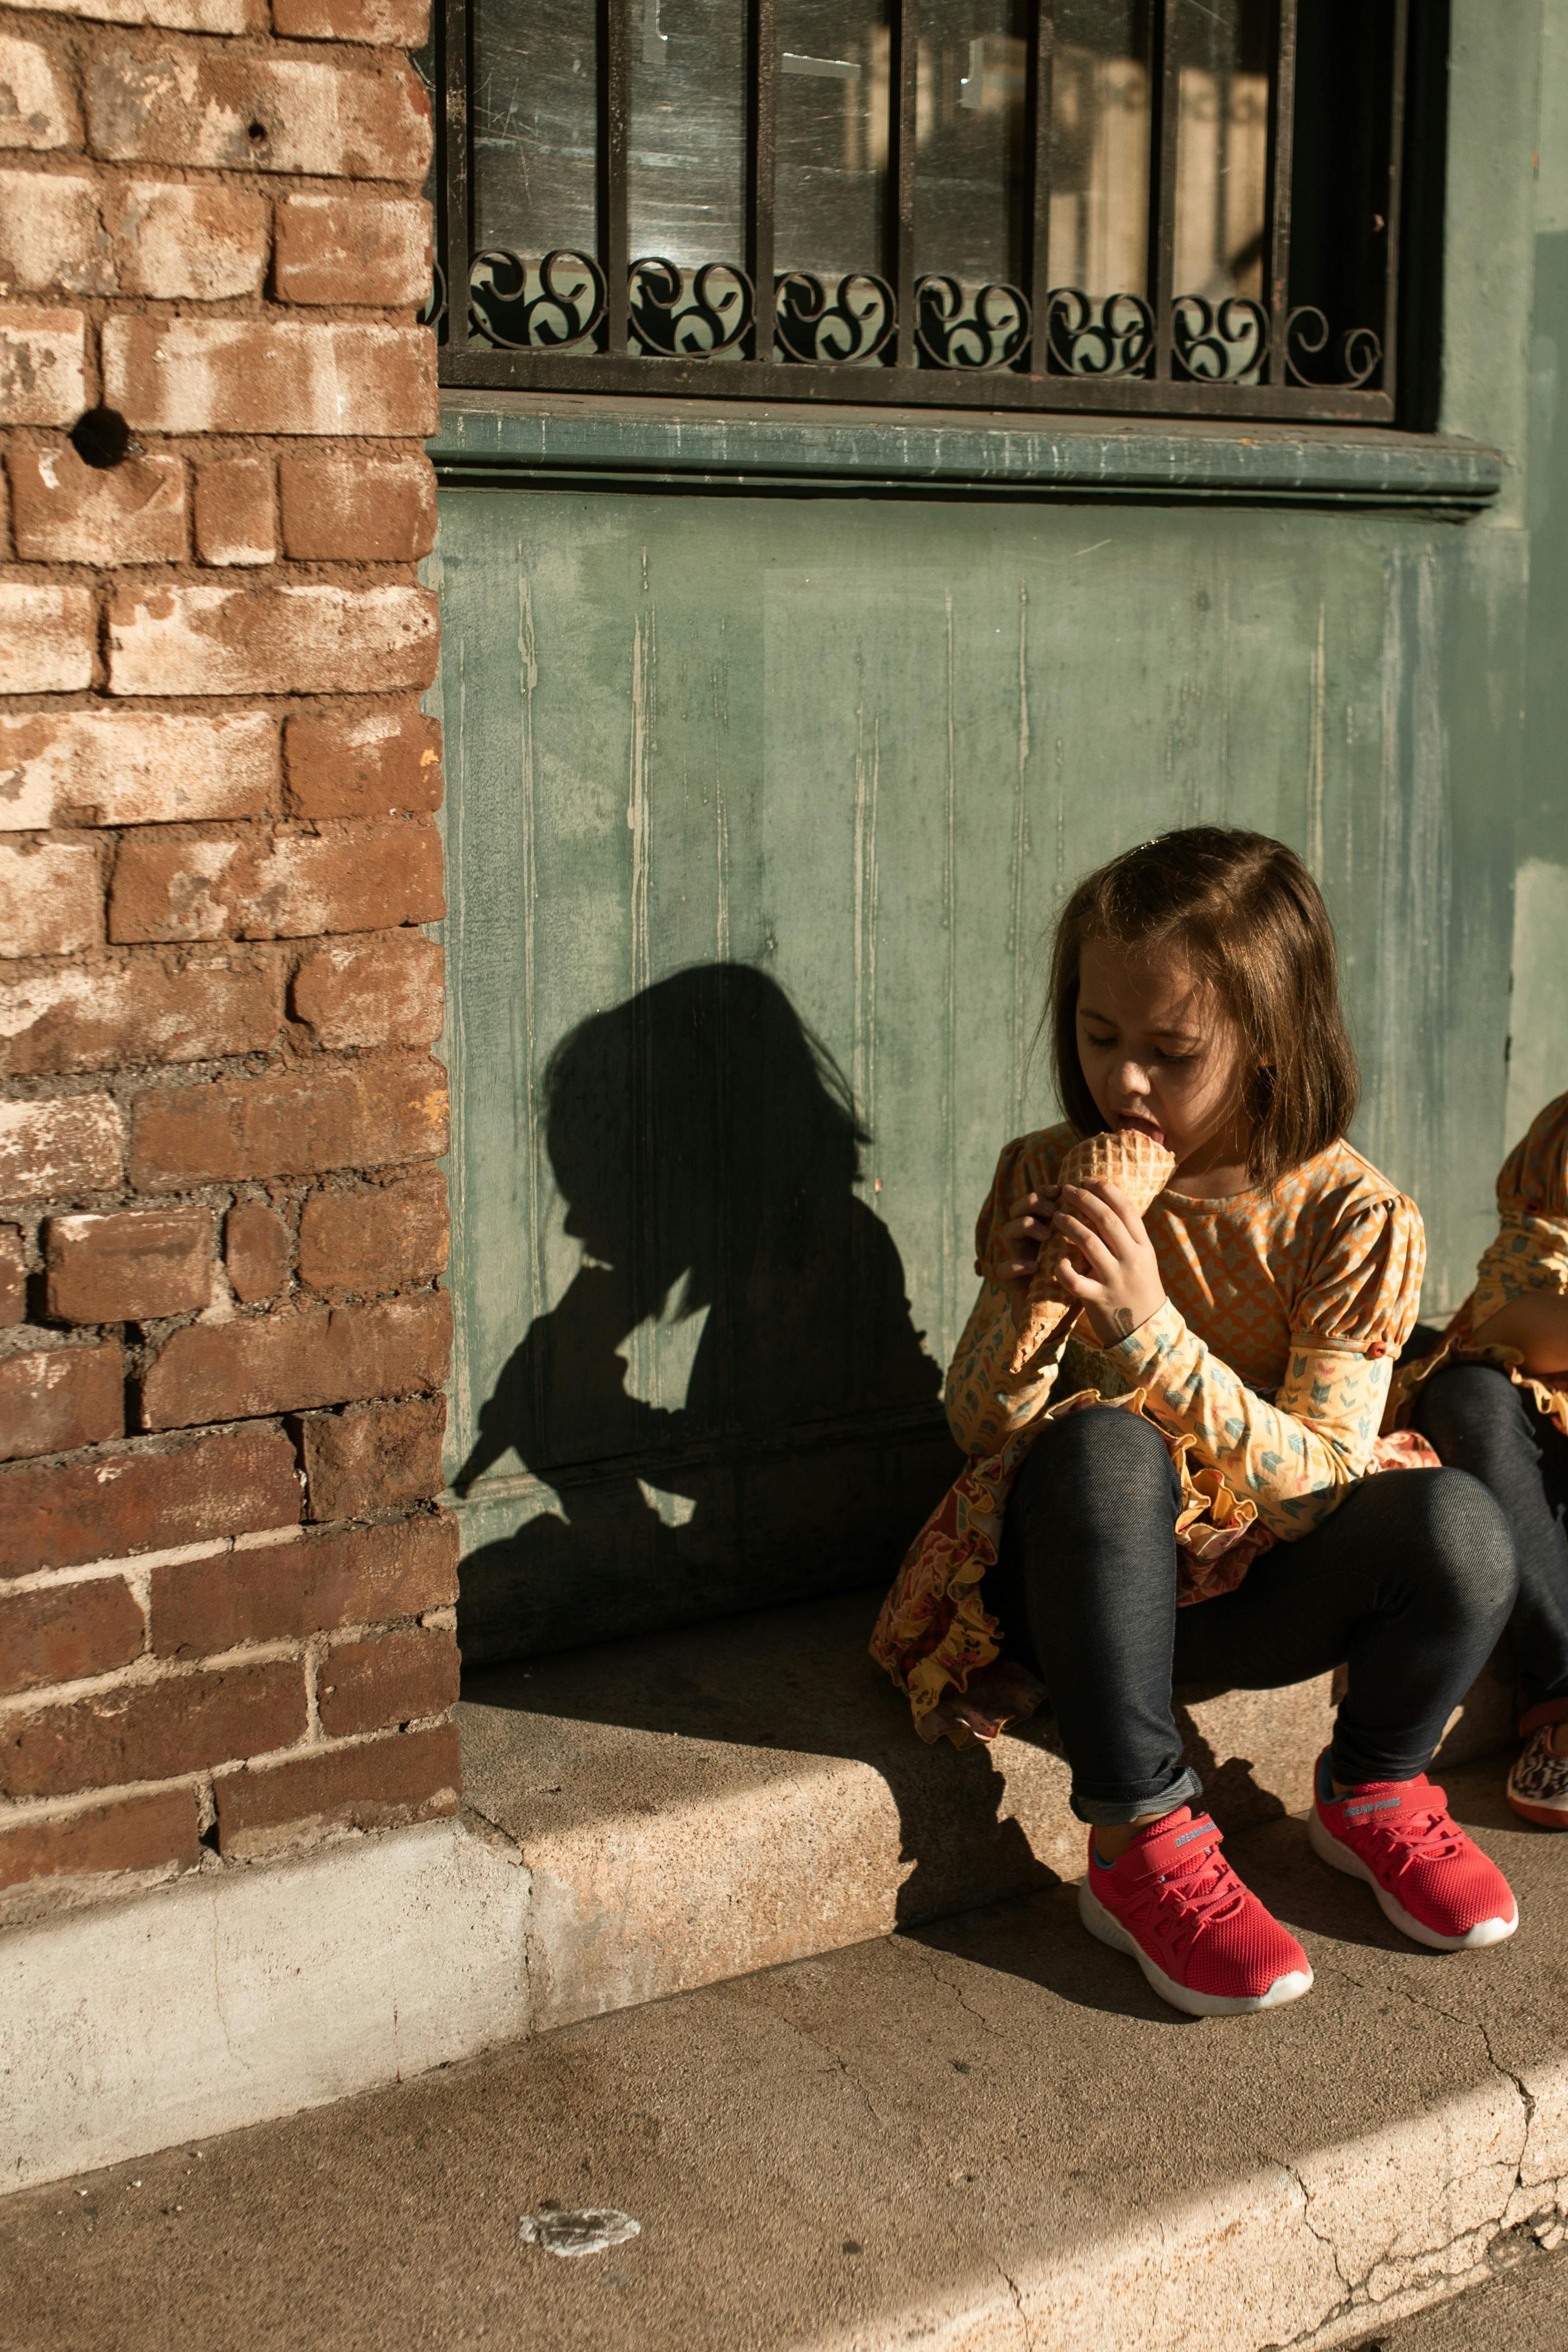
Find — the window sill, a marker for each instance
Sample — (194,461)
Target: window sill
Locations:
(595,438)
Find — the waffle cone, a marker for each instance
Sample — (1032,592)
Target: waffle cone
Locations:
(1137,1166)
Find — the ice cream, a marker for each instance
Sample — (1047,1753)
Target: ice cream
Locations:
(1139,1167)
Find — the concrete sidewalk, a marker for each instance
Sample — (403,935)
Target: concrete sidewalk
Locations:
(981,2136)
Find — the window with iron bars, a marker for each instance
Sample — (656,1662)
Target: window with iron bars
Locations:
(1222,208)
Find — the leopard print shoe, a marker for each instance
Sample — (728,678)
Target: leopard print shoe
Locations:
(1538,1784)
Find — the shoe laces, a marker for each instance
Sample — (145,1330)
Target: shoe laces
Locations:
(1201,1891)
(1426,1834)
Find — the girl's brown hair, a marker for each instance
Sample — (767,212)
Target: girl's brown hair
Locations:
(1248,916)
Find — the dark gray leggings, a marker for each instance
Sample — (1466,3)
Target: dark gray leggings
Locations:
(1474,1417)
(1410,1582)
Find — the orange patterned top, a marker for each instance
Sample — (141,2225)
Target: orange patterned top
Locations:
(1284,1312)
(1530,1253)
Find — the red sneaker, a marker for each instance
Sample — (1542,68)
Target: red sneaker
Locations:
(1432,1881)
(1204,1941)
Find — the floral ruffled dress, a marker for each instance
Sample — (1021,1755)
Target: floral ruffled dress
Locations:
(1266,1370)
(1530,1253)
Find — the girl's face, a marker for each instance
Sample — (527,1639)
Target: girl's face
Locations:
(1161,1056)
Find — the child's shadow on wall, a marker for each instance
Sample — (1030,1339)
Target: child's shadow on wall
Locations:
(706,1147)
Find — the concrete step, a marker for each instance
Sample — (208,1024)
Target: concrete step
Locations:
(728,1797)
(982,2137)
(1522,2307)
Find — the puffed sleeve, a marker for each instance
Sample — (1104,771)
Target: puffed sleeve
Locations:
(1298,1452)
(1530,1252)
(986,1401)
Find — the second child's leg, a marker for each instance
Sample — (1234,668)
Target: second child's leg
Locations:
(1479,1421)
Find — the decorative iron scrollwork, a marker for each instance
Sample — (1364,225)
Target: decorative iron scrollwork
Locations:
(556,303)
(1218,343)
(819,329)
(688,314)
(1112,336)
(1307,334)
(954,331)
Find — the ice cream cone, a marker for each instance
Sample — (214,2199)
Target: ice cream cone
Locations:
(1139,1167)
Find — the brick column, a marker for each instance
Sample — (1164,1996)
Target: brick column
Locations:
(225,1590)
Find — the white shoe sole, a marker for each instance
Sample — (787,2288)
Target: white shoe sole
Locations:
(1327,1848)
(1110,1930)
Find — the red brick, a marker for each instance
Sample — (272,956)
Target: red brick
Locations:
(353,249)
(179,243)
(381,991)
(52,1398)
(256,376)
(40,111)
(356,509)
(400,24)
(131,1266)
(134,767)
(145,1008)
(73,1146)
(236,512)
(382,763)
(352,877)
(49,898)
(187,103)
(149,1500)
(47,636)
(52,234)
(414,1776)
(43,372)
(257,1249)
(13,1277)
(294,640)
(63,511)
(71,234)
(375,1238)
(152,1731)
(179,16)
(361,1115)
(389,1679)
(377,1457)
(68,1632)
(139,1834)
(289,1362)
(354,1576)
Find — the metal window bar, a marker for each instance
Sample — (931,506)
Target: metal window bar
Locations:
(584,344)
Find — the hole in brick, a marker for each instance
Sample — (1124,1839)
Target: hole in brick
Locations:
(256,132)
(101,438)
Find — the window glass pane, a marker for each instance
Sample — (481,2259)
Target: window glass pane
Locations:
(1340,191)
(686,170)
(830,203)
(1222,145)
(1101,73)
(970,185)
(534,117)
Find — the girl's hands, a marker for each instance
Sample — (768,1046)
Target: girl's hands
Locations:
(1109,1266)
(1019,1244)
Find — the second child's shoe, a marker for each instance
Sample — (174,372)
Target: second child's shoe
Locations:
(1202,1938)
(1538,1784)
(1432,1882)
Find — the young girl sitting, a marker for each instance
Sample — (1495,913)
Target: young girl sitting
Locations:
(1493,1400)
(1204,1436)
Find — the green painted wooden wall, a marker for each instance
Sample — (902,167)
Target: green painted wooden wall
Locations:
(759,805)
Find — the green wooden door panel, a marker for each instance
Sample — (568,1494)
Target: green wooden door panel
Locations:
(836,759)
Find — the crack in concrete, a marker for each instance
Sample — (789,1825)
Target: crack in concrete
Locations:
(928,1960)
(839,2061)
(1012,2286)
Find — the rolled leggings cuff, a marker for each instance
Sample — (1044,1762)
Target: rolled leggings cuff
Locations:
(1354,1767)
(1109,1813)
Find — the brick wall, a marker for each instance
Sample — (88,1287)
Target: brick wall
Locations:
(226,1592)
